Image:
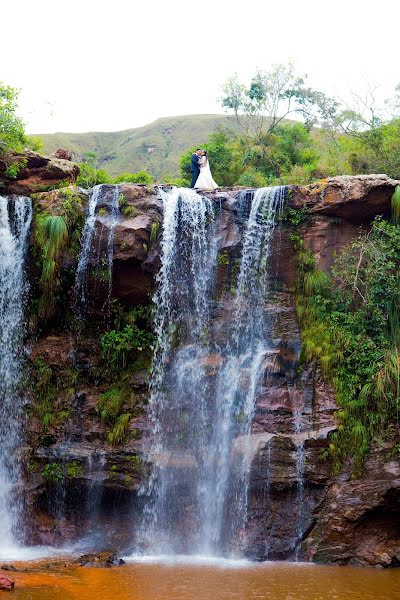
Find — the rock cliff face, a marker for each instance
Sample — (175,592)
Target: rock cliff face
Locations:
(340,519)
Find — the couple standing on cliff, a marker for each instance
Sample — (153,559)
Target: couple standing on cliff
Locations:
(202,178)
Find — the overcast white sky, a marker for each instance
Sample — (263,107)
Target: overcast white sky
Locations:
(85,65)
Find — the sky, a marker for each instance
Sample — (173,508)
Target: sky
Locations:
(91,65)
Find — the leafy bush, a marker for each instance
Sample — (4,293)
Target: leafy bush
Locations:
(90,176)
(351,327)
(139,177)
(129,211)
(120,347)
(52,473)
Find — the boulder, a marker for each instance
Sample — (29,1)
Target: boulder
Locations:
(107,558)
(6,583)
(62,153)
(39,172)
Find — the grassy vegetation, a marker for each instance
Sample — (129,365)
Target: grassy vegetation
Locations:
(55,232)
(50,394)
(350,326)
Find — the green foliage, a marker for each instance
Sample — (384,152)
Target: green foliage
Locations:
(14,168)
(52,473)
(119,347)
(396,206)
(74,469)
(129,211)
(111,407)
(120,430)
(12,134)
(139,177)
(90,176)
(252,178)
(51,235)
(351,327)
(109,404)
(47,391)
(295,216)
(54,233)
(155,228)
(223,258)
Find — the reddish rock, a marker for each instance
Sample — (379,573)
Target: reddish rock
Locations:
(62,153)
(356,198)
(327,237)
(6,583)
(358,522)
(39,172)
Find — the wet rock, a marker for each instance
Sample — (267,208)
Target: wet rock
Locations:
(6,583)
(358,522)
(100,559)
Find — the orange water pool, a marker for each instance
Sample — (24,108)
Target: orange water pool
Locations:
(272,581)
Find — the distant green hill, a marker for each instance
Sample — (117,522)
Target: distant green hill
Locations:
(155,148)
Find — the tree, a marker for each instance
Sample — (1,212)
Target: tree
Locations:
(271,97)
(12,134)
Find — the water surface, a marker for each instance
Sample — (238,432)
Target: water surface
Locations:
(221,581)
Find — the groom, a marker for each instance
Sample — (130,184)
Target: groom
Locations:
(195,167)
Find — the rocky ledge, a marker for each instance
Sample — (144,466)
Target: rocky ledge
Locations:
(38,172)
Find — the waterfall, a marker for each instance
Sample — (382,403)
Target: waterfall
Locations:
(247,354)
(200,449)
(300,465)
(178,401)
(15,220)
(96,252)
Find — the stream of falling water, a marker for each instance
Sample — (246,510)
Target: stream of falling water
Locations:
(15,220)
(102,195)
(201,455)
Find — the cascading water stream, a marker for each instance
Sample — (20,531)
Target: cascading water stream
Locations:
(246,356)
(93,244)
(200,448)
(178,396)
(300,465)
(15,220)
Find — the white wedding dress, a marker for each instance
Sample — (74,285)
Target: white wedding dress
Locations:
(205,180)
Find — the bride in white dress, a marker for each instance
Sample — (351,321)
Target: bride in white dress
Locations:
(205,180)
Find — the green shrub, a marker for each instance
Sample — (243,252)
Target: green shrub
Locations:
(253,178)
(89,176)
(139,177)
(52,473)
(120,347)
(351,327)
(129,211)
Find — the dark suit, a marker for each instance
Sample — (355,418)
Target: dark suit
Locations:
(194,169)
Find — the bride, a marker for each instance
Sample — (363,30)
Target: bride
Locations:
(205,180)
